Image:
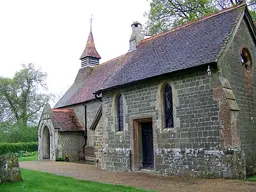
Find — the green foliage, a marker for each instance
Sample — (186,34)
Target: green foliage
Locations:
(165,14)
(17,147)
(252,178)
(60,159)
(20,96)
(43,182)
(17,133)
(28,156)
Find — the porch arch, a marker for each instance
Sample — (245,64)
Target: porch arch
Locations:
(46,143)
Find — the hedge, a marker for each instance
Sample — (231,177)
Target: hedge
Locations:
(17,147)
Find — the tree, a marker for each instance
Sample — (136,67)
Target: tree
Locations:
(21,97)
(165,14)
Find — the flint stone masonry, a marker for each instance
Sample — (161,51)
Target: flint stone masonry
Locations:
(116,159)
(201,162)
(72,143)
(9,169)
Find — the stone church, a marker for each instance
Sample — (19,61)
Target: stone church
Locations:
(181,102)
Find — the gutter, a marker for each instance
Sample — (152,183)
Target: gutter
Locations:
(97,95)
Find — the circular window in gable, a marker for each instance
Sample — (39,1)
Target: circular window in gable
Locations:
(246,59)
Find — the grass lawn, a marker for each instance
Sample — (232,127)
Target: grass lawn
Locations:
(253,178)
(33,157)
(34,181)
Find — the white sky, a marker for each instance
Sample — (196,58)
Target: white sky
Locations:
(52,34)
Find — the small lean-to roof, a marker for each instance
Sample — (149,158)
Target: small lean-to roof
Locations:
(66,120)
(88,81)
(196,43)
(90,49)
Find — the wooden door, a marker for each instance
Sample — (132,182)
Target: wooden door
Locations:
(147,145)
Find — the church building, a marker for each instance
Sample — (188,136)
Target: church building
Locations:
(181,102)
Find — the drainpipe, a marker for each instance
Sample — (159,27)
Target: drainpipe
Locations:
(97,96)
(85,129)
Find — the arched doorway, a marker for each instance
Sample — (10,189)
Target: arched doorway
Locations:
(46,143)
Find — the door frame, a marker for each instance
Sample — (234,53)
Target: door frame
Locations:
(136,144)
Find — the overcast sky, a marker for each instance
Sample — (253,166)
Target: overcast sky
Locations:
(52,34)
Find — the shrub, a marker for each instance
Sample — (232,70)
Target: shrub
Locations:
(17,147)
(17,133)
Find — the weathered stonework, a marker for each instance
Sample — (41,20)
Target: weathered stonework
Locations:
(94,137)
(54,144)
(243,84)
(9,168)
(214,119)
(48,149)
(195,115)
(201,162)
(71,144)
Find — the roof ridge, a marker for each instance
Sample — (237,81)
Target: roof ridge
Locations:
(62,110)
(106,62)
(194,21)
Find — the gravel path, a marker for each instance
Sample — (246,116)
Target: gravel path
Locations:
(140,180)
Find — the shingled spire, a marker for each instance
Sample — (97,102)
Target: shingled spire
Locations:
(90,56)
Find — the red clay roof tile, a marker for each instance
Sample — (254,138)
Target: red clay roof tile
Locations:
(87,83)
(66,120)
(90,50)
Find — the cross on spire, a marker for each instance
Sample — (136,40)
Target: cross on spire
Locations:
(91,24)
(90,56)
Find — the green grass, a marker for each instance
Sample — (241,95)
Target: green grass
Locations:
(252,178)
(32,157)
(34,181)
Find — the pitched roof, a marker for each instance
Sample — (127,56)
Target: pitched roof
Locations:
(66,120)
(88,81)
(193,44)
(90,50)
(196,43)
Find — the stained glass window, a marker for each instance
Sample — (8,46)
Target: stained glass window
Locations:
(120,113)
(168,106)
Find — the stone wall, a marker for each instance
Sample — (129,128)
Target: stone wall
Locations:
(243,84)
(195,117)
(94,137)
(46,123)
(193,146)
(9,168)
(71,144)
(201,162)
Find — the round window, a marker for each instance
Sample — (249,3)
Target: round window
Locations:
(246,59)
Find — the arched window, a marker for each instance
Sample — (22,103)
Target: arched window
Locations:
(168,106)
(246,59)
(120,113)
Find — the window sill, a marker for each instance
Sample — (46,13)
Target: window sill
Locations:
(171,131)
(167,130)
(119,132)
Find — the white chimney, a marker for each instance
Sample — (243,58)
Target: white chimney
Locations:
(136,36)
